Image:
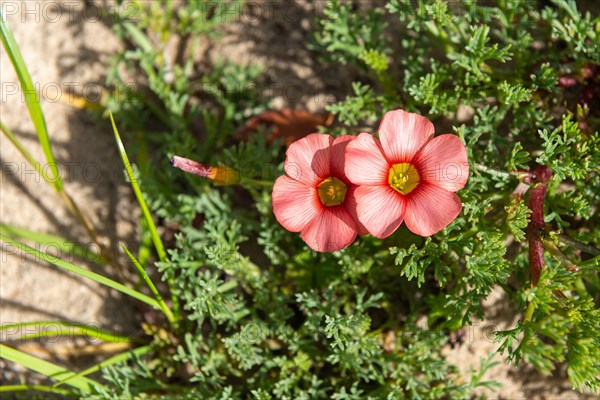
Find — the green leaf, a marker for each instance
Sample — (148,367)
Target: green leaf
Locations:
(165,309)
(56,328)
(36,388)
(519,158)
(26,154)
(376,60)
(158,244)
(415,261)
(139,37)
(85,385)
(81,271)
(61,244)
(31,99)
(513,94)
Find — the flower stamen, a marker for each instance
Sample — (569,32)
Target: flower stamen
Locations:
(332,191)
(403,177)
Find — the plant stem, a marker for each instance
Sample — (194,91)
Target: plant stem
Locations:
(560,256)
(493,171)
(257,182)
(578,245)
(580,287)
(529,312)
(537,226)
(591,263)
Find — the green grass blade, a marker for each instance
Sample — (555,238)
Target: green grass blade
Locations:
(139,37)
(83,272)
(166,310)
(55,328)
(106,363)
(25,153)
(31,99)
(158,244)
(46,368)
(62,245)
(145,245)
(38,388)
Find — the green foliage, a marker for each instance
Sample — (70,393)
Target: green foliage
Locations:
(265,317)
(260,314)
(517,218)
(487,58)
(519,158)
(569,152)
(420,258)
(562,328)
(360,107)
(348,36)
(172,103)
(573,28)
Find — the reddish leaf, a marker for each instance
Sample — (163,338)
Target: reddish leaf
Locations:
(289,124)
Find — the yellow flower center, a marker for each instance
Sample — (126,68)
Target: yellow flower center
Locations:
(332,191)
(403,177)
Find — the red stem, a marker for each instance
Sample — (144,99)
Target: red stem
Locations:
(537,226)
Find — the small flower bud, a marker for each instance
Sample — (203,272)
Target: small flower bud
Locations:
(220,175)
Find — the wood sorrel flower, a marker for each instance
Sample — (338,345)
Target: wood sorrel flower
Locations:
(407,175)
(219,175)
(315,197)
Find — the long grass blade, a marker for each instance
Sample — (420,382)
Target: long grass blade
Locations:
(81,271)
(60,244)
(46,368)
(106,363)
(36,388)
(166,310)
(37,329)
(25,153)
(158,244)
(32,99)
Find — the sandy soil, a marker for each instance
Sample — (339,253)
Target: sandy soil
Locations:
(68,47)
(62,52)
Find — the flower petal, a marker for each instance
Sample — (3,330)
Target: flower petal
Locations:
(365,162)
(338,156)
(443,162)
(351,207)
(402,134)
(294,203)
(308,159)
(332,230)
(430,209)
(380,209)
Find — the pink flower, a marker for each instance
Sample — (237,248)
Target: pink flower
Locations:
(407,175)
(315,197)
